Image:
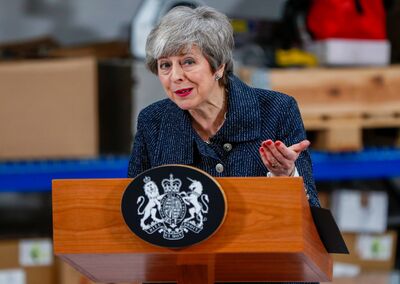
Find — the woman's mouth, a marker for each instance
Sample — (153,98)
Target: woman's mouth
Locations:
(184,92)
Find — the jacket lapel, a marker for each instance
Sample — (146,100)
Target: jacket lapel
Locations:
(243,121)
(175,143)
(177,139)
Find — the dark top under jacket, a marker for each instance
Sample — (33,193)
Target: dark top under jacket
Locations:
(165,136)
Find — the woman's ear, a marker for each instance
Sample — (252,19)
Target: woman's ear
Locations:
(219,73)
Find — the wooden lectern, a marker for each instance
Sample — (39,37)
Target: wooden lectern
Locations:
(268,235)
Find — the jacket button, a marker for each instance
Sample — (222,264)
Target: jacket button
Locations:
(219,167)
(227,147)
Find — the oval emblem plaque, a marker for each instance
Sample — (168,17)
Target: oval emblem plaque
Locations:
(174,206)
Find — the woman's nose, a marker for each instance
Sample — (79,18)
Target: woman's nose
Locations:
(177,72)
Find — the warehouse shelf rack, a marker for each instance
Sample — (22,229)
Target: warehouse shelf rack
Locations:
(31,176)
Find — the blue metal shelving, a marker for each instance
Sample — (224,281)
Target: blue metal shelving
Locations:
(368,164)
(31,176)
(37,175)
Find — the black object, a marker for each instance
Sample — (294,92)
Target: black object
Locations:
(328,231)
(25,215)
(115,106)
(393,28)
(173,206)
(359,7)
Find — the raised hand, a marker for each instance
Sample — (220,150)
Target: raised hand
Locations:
(278,158)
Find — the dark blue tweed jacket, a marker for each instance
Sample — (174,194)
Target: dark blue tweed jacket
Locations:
(165,136)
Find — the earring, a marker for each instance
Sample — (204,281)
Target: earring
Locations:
(217,77)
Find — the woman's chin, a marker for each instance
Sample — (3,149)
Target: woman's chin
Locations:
(185,105)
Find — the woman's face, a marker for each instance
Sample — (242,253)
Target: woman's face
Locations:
(188,80)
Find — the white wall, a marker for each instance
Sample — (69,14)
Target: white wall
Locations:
(80,21)
(69,21)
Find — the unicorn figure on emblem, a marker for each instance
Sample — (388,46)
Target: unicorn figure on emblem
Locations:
(192,198)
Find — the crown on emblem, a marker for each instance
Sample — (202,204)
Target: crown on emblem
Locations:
(147,179)
(171,185)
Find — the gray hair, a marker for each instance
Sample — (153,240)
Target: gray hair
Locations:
(182,27)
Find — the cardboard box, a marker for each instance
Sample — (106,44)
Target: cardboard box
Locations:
(352,52)
(68,275)
(365,278)
(27,261)
(371,252)
(360,211)
(48,109)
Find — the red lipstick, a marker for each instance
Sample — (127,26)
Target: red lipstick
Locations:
(184,92)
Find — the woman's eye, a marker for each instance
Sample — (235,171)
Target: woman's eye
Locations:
(188,62)
(164,65)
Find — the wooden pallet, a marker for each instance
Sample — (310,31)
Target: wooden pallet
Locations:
(346,133)
(338,104)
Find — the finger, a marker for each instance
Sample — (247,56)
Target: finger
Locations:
(272,165)
(263,157)
(286,165)
(288,156)
(265,145)
(286,152)
(267,159)
(301,146)
(271,148)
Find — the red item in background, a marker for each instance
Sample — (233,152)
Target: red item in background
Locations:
(355,19)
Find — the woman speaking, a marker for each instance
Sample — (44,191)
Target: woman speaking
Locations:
(210,119)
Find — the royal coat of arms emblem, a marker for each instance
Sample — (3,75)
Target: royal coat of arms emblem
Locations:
(168,211)
(175,204)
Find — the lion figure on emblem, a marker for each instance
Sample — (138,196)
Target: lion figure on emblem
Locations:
(152,193)
(192,198)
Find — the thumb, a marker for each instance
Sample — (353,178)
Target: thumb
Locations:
(301,146)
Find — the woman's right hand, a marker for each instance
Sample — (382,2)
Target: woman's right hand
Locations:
(278,158)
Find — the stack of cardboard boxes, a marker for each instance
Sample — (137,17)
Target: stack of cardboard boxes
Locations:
(27,261)
(362,218)
(31,261)
(48,109)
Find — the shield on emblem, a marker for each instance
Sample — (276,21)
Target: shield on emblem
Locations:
(174,206)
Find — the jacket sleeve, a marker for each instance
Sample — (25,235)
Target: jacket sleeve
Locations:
(293,132)
(139,159)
